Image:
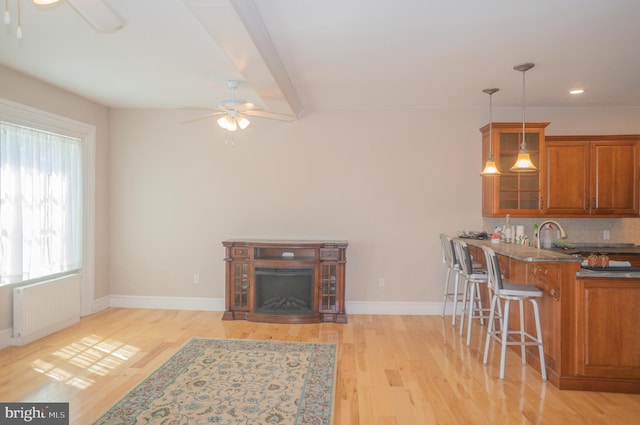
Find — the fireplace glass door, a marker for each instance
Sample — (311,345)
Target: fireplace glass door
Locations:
(283,291)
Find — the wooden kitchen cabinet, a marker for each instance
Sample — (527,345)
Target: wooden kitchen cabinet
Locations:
(592,176)
(516,193)
(615,170)
(567,177)
(605,345)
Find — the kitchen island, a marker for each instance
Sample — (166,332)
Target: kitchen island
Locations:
(589,318)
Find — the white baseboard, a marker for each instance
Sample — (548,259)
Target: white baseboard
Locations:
(100,304)
(167,303)
(5,337)
(217,304)
(394,307)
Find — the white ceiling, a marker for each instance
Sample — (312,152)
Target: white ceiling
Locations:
(297,56)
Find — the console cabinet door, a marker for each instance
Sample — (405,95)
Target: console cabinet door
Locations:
(240,286)
(328,287)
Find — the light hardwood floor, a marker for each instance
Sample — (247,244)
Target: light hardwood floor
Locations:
(392,370)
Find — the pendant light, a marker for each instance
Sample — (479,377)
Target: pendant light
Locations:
(523,162)
(490,168)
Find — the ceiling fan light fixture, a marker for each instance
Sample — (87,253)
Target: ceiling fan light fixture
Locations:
(228,123)
(243,122)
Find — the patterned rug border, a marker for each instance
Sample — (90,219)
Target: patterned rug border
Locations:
(136,401)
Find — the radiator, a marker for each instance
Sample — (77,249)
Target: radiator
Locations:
(43,308)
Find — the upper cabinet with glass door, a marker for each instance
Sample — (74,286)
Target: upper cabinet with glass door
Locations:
(519,194)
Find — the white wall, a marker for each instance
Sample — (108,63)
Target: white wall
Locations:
(387,181)
(177,191)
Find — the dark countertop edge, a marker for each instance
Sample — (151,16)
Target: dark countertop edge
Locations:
(598,250)
(535,255)
(608,274)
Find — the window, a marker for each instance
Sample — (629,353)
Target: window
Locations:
(41,203)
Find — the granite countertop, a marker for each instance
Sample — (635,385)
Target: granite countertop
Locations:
(529,254)
(525,253)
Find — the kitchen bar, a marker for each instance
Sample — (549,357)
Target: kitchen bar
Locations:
(589,318)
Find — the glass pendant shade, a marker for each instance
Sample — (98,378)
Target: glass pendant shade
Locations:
(523,161)
(490,167)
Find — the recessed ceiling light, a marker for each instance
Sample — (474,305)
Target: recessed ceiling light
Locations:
(576,91)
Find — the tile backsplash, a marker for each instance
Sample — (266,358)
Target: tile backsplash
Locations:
(592,230)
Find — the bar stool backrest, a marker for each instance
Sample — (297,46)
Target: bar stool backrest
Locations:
(448,256)
(463,256)
(493,269)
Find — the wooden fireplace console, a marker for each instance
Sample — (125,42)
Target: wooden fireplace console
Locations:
(327,259)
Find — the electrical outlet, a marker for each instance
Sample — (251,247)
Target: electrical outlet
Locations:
(606,235)
(381,282)
(196,279)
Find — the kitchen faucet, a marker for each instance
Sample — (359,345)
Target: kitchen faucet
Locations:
(563,234)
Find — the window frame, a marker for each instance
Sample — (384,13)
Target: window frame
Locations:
(19,114)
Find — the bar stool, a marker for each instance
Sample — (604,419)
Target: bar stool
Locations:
(449,259)
(511,292)
(471,292)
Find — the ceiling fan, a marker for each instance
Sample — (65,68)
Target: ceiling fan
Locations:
(96,12)
(234,113)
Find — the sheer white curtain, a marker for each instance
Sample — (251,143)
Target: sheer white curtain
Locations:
(41,218)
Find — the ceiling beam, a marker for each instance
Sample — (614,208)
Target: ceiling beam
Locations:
(252,21)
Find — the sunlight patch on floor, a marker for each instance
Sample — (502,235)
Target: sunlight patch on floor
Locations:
(91,354)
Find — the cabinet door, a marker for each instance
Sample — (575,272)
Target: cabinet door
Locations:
(614,177)
(547,277)
(607,344)
(515,193)
(240,286)
(567,178)
(328,287)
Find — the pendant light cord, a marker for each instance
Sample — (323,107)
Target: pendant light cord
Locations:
(523,146)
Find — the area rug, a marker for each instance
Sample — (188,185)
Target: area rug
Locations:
(232,381)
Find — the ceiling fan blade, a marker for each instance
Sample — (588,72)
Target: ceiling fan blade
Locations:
(98,14)
(199,108)
(201,117)
(269,115)
(247,106)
